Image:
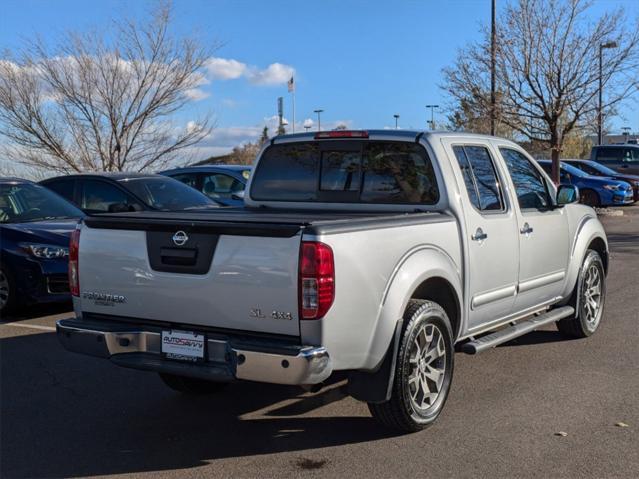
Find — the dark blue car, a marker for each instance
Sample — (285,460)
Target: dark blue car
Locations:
(594,190)
(35,227)
(223,183)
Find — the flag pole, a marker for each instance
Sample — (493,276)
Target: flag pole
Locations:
(291,89)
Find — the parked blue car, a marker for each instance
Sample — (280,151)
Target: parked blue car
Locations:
(594,190)
(223,183)
(35,228)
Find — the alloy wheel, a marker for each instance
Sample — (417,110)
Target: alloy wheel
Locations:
(592,296)
(427,359)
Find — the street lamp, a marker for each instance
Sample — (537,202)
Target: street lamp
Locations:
(612,44)
(396,116)
(319,123)
(432,115)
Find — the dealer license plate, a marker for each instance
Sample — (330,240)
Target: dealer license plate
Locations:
(183,345)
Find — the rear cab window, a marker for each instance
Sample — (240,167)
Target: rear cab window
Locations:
(346,171)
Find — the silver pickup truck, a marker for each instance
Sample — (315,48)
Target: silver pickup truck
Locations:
(377,254)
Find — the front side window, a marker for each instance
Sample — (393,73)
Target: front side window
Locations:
(189,179)
(167,194)
(531,189)
(218,185)
(101,197)
(631,154)
(480,177)
(381,172)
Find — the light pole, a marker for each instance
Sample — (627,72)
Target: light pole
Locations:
(600,109)
(432,115)
(396,116)
(319,123)
(493,47)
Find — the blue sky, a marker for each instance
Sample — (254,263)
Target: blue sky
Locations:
(361,61)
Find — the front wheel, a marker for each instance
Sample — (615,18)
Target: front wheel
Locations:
(591,294)
(424,370)
(191,386)
(589,197)
(7,291)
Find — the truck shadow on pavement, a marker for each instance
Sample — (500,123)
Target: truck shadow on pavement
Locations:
(69,415)
(37,311)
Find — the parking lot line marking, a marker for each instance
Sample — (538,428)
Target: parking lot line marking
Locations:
(29,326)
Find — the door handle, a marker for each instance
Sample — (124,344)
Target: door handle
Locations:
(479,235)
(526,230)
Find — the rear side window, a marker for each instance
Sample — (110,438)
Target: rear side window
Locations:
(346,171)
(609,155)
(64,188)
(480,178)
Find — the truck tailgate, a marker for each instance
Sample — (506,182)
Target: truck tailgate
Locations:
(238,281)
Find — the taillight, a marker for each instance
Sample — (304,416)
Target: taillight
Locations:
(317,280)
(74,272)
(325,135)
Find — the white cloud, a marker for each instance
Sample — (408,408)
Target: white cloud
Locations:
(224,69)
(196,94)
(274,74)
(229,69)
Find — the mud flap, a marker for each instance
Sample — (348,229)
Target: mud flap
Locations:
(376,387)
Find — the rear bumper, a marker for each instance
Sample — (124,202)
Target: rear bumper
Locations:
(227,359)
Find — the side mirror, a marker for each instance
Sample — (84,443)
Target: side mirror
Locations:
(567,194)
(239,195)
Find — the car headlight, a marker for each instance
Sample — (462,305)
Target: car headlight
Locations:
(612,187)
(46,251)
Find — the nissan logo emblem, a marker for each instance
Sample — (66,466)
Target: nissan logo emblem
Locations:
(180,238)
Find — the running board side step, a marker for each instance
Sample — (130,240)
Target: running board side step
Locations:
(519,329)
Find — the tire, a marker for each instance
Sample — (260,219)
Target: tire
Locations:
(7,291)
(590,198)
(591,304)
(409,408)
(191,386)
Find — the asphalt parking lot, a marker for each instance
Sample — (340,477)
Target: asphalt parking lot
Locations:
(69,415)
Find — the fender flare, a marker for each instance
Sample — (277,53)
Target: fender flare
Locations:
(424,262)
(588,230)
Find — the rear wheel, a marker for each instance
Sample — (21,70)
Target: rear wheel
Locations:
(589,197)
(191,386)
(591,294)
(424,370)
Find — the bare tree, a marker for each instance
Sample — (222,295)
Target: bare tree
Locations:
(547,68)
(97,104)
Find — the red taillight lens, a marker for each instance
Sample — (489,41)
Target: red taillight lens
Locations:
(74,272)
(324,135)
(317,280)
